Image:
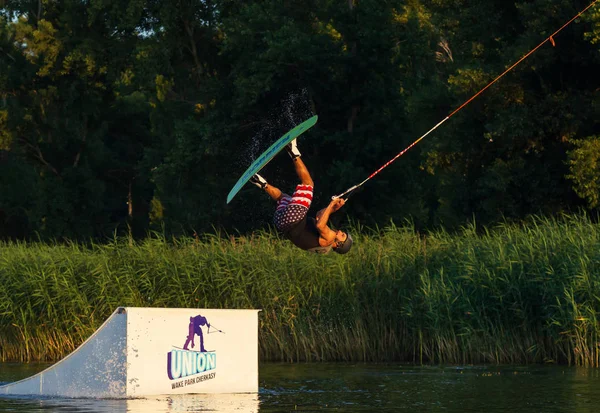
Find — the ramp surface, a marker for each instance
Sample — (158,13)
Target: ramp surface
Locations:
(140,352)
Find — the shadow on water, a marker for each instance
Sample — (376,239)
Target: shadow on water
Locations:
(361,388)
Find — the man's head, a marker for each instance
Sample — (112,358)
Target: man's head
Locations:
(343,242)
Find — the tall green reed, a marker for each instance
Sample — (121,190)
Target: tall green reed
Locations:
(509,294)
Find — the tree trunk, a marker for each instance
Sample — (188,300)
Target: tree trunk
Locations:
(130,202)
(130,212)
(82,146)
(193,49)
(355,107)
(352,118)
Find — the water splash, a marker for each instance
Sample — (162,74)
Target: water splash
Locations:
(296,108)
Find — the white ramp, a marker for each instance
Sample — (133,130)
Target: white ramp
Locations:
(140,352)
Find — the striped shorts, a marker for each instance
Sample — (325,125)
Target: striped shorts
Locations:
(292,209)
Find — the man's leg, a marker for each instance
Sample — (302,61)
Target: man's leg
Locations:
(261,182)
(301,170)
(292,210)
(274,192)
(202,349)
(190,337)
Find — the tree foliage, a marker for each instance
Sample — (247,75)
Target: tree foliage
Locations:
(140,114)
(584,163)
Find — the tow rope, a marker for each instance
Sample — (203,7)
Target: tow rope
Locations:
(550,39)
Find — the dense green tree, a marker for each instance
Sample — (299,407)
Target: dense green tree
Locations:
(505,154)
(59,92)
(141,114)
(584,164)
(357,61)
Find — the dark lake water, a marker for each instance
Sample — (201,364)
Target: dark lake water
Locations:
(361,388)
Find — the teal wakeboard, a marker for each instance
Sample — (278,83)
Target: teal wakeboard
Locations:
(267,155)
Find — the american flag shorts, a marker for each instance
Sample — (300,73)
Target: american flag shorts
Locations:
(292,209)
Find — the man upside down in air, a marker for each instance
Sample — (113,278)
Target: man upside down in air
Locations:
(310,234)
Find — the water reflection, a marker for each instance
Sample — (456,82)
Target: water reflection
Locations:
(365,388)
(225,403)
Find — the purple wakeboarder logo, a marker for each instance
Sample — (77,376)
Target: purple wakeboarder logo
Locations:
(183,362)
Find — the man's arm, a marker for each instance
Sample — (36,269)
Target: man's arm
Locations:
(323,217)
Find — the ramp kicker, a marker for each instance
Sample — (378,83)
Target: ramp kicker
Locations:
(140,352)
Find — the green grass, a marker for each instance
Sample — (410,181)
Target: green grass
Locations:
(511,294)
